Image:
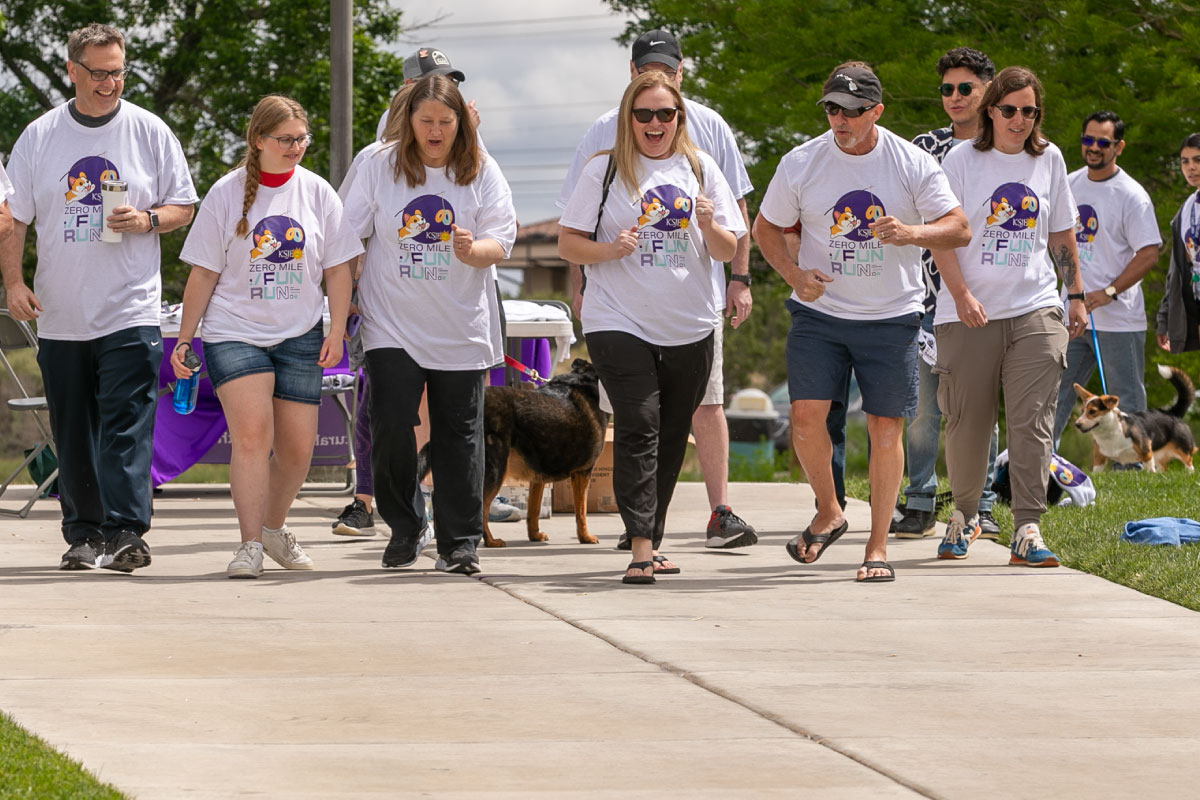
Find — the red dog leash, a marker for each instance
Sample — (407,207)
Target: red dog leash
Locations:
(532,374)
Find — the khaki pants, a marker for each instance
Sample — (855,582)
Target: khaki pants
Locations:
(1025,356)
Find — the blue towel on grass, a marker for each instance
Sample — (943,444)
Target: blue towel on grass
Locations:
(1173,531)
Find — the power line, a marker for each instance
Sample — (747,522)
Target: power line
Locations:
(510,22)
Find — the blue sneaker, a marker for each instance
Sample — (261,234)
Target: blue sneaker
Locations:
(1028,549)
(960,532)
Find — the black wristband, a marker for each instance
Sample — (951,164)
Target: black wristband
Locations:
(1079,296)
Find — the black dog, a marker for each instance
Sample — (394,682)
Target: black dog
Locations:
(542,436)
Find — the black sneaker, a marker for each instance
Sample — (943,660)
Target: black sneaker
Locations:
(403,551)
(463,560)
(82,555)
(988,529)
(125,552)
(355,520)
(915,524)
(727,530)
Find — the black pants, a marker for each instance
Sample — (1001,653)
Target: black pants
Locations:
(101,398)
(654,391)
(455,445)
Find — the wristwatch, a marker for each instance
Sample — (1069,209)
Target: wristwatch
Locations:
(153,220)
(740,278)
(1111,291)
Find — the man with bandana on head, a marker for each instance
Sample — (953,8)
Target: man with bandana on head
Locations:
(867,202)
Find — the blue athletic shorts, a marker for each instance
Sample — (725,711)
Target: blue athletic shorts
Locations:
(293,361)
(821,351)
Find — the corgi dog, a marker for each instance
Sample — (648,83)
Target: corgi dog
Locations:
(652,212)
(264,245)
(1150,438)
(1190,244)
(414,223)
(80,187)
(846,222)
(1002,212)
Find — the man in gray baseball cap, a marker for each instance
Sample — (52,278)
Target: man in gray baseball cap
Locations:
(428,61)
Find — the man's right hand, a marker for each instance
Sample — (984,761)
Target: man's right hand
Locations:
(811,284)
(23,303)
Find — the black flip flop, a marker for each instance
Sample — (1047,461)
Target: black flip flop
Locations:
(638,578)
(891,572)
(664,570)
(810,538)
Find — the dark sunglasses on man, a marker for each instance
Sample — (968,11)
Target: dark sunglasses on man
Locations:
(964,89)
(644,115)
(1093,141)
(1028,112)
(833,109)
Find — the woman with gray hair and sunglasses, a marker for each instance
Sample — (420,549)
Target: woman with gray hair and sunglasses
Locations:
(999,321)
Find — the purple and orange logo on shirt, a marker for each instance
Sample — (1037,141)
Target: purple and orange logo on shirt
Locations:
(665,208)
(83,179)
(852,215)
(1087,226)
(1014,207)
(426,220)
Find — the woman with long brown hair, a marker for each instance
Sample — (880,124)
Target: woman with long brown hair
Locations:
(437,214)
(999,321)
(266,235)
(649,217)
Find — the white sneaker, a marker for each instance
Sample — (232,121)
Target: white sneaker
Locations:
(426,537)
(283,549)
(247,561)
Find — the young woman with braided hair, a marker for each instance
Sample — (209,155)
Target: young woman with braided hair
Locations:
(265,236)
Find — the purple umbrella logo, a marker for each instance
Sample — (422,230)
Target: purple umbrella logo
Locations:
(666,208)
(83,179)
(1014,207)
(853,213)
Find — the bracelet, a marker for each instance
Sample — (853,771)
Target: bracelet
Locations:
(1079,296)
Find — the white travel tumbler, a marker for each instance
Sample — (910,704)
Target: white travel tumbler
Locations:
(112,196)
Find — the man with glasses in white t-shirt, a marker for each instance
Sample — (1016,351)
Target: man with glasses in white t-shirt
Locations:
(96,302)
(1118,240)
(867,201)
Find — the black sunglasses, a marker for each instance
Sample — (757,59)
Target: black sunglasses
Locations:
(964,89)
(1028,112)
(644,115)
(832,110)
(1103,144)
(99,75)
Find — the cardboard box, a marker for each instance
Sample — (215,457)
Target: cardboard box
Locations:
(600,491)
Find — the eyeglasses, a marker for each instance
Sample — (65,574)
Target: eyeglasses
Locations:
(644,115)
(832,110)
(286,142)
(964,89)
(99,75)
(1103,144)
(1028,112)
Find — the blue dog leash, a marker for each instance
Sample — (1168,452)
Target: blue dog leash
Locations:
(1099,360)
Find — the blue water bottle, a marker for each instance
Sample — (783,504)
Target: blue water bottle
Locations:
(187,389)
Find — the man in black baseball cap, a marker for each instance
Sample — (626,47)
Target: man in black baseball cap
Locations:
(657,47)
(852,87)
(428,61)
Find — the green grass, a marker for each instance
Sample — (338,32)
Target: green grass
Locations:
(1089,539)
(29,768)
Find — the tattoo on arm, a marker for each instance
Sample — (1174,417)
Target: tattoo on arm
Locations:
(1067,268)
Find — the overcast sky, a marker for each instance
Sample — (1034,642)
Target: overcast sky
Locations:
(539,72)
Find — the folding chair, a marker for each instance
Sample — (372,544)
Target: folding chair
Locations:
(16,335)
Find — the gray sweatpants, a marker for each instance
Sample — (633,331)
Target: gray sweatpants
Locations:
(1025,356)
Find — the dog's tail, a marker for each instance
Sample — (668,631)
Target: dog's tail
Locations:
(423,463)
(1185,390)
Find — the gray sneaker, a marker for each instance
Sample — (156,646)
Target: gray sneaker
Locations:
(283,549)
(247,562)
(82,555)
(462,560)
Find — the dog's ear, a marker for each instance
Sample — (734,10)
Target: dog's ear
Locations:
(582,365)
(1083,393)
(1109,402)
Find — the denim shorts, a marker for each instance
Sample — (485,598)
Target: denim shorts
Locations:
(293,362)
(821,351)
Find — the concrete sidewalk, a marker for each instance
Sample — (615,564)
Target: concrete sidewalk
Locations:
(746,676)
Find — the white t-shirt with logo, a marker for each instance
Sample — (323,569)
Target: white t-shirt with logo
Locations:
(414,293)
(1116,219)
(6,187)
(667,291)
(269,289)
(1013,203)
(706,128)
(89,288)
(836,196)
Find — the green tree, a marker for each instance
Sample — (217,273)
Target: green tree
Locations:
(201,66)
(761,64)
